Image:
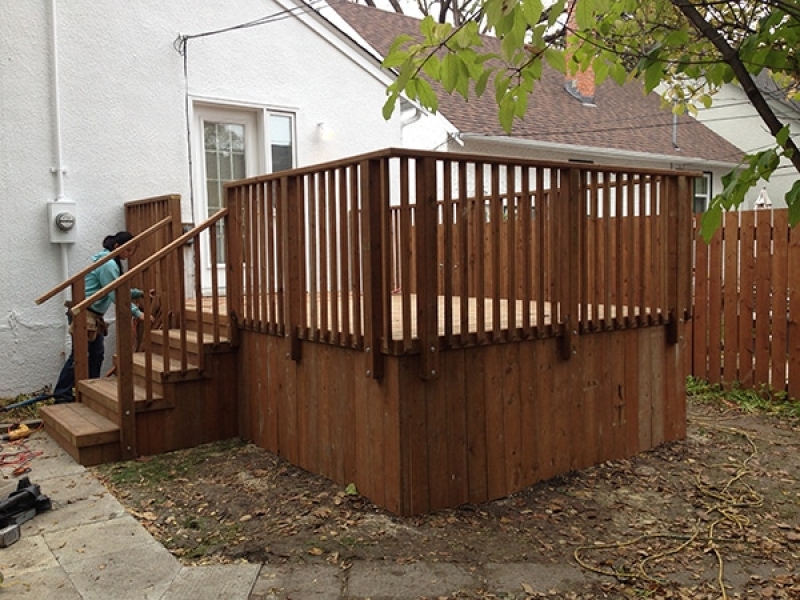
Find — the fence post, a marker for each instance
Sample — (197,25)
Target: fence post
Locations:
(373,200)
(127,408)
(427,217)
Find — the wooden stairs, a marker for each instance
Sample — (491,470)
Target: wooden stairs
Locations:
(184,408)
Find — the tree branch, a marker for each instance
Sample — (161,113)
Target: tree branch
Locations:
(731,57)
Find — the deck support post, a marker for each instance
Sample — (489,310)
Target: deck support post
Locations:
(373,209)
(678,201)
(293,232)
(572,215)
(427,268)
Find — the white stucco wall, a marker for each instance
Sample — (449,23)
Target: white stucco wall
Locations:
(733,117)
(122,97)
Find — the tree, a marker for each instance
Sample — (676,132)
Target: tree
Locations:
(686,48)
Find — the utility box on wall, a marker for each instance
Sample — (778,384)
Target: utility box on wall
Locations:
(62,221)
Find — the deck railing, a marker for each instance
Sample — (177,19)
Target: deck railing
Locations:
(416,252)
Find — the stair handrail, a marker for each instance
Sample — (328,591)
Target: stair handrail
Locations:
(126,416)
(150,260)
(112,255)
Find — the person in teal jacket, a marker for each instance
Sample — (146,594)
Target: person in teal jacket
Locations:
(94,281)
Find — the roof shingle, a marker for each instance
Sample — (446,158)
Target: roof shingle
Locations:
(624,117)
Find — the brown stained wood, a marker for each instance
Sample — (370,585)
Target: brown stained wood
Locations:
(477,259)
(511,381)
(454,396)
(715,307)
(324,254)
(495,420)
(644,389)
(529,413)
(438,442)
(793,329)
(494,246)
(702,306)
(427,314)
(780,291)
(730,297)
(546,400)
(408,244)
(588,414)
(651,340)
(763,310)
(746,302)
(393,440)
(477,442)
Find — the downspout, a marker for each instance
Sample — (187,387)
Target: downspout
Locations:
(59,169)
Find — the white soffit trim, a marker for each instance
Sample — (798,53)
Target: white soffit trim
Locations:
(593,151)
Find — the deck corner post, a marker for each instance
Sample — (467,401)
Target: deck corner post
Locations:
(374,208)
(427,268)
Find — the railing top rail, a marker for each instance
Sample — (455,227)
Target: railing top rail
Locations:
(88,269)
(153,258)
(456,157)
(145,201)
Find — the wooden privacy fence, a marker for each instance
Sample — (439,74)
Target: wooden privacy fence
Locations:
(400,252)
(746,304)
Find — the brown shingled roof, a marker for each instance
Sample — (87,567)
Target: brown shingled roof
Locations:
(624,118)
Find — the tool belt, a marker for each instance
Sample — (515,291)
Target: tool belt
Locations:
(95,324)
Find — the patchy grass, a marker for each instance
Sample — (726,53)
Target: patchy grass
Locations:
(749,400)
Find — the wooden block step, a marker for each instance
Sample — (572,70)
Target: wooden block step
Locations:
(88,437)
(158,372)
(103,392)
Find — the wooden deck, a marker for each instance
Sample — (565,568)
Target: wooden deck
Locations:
(434,328)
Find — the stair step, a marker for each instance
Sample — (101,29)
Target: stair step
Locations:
(103,392)
(192,346)
(159,374)
(87,437)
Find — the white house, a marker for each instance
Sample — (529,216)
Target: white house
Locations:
(733,117)
(102,102)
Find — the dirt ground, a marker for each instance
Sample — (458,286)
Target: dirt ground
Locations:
(722,505)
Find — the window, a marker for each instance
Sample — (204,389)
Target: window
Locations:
(281,142)
(702,193)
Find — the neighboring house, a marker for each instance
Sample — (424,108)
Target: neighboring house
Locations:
(97,107)
(566,120)
(733,117)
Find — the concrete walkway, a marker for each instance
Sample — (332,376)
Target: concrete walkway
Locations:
(89,547)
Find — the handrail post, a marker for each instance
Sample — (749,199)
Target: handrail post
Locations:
(372,209)
(427,268)
(80,342)
(292,232)
(127,409)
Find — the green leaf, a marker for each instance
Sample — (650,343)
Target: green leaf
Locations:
(793,202)
(532,9)
(584,15)
(556,60)
(427,96)
(783,136)
(506,113)
(653,75)
(710,221)
(482,82)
